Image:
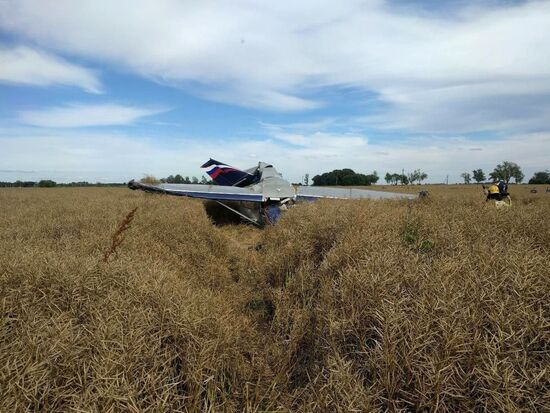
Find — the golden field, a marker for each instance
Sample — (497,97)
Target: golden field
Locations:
(438,305)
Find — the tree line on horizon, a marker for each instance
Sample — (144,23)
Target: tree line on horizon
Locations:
(48,183)
(347,177)
(505,171)
(179,179)
(405,179)
(343,177)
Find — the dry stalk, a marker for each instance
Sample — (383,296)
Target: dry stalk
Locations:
(118,237)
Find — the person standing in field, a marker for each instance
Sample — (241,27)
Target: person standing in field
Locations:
(493,193)
(497,191)
(503,189)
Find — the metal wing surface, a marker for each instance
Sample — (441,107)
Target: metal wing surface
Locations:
(213,192)
(311,193)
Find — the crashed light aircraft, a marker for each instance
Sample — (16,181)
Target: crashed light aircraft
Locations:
(259,194)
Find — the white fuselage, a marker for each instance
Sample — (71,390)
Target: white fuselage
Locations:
(272,185)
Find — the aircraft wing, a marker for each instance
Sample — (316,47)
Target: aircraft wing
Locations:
(213,192)
(311,193)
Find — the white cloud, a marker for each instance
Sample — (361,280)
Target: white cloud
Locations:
(435,73)
(299,149)
(116,157)
(260,98)
(73,116)
(489,106)
(23,65)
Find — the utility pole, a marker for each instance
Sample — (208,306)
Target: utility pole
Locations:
(447,180)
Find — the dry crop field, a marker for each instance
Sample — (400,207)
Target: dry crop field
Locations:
(437,305)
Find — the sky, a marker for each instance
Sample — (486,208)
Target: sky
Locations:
(108,91)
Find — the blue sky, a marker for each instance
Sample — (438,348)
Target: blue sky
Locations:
(108,91)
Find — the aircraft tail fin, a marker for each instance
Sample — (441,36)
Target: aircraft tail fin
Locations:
(226,175)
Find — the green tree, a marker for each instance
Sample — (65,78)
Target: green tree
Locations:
(466,176)
(46,183)
(413,176)
(306,179)
(194,180)
(541,177)
(519,176)
(344,177)
(416,176)
(373,177)
(506,171)
(395,179)
(423,176)
(479,175)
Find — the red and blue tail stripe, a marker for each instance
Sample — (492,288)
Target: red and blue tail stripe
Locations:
(217,170)
(226,175)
